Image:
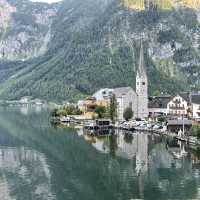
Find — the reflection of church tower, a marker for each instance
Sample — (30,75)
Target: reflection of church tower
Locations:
(142,153)
(142,87)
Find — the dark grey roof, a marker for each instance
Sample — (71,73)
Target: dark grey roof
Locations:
(159,101)
(179,122)
(195,98)
(122,91)
(185,96)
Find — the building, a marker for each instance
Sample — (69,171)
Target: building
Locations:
(103,94)
(142,87)
(89,106)
(25,100)
(125,97)
(195,98)
(180,104)
(158,105)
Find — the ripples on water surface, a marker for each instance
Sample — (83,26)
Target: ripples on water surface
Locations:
(41,162)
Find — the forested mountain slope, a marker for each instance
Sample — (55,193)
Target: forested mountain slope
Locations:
(95,44)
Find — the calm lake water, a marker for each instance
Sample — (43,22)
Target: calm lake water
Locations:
(42,162)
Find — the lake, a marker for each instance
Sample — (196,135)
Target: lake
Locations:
(39,161)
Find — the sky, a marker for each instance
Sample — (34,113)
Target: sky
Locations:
(46,1)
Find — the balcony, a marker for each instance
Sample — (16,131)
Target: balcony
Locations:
(177,107)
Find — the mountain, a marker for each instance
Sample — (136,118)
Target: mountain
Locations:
(25,28)
(94,44)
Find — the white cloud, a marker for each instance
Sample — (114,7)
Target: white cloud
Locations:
(46,1)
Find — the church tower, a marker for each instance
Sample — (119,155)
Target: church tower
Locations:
(142,87)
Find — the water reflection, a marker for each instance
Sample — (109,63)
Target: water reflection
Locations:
(124,145)
(19,168)
(42,162)
(28,108)
(157,162)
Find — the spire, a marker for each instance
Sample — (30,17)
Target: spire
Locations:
(141,68)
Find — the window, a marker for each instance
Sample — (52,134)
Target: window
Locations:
(143,83)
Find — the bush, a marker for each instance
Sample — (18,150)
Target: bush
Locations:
(161,119)
(67,110)
(100,111)
(196,131)
(128,113)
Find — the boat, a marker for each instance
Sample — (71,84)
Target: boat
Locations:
(98,124)
(65,119)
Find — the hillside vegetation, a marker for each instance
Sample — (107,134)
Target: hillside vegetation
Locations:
(95,44)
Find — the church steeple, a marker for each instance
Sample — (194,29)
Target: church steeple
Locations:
(142,86)
(141,71)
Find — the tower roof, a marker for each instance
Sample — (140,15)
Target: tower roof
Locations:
(141,71)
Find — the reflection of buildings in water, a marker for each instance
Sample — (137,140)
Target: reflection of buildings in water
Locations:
(26,165)
(102,145)
(153,160)
(126,150)
(142,153)
(38,108)
(80,132)
(138,148)
(4,189)
(24,109)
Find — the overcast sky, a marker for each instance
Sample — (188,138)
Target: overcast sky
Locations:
(47,1)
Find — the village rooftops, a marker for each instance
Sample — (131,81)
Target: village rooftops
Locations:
(121,91)
(159,101)
(190,97)
(195,98)
(185,96)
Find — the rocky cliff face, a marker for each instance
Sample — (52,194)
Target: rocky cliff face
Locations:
(25,29)
(161,4)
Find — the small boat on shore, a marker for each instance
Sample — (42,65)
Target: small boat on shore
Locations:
(98,124)
(65,119)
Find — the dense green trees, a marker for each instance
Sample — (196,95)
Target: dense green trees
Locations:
(113,108)
(66,110)
(196,131)
(100,111)
(128,113)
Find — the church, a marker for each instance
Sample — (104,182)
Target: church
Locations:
(127,97)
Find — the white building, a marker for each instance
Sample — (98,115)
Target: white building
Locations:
(142,88)
(104,93)
(125,97)
(25,100)
(196,106)
(179,104)
(184,103)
